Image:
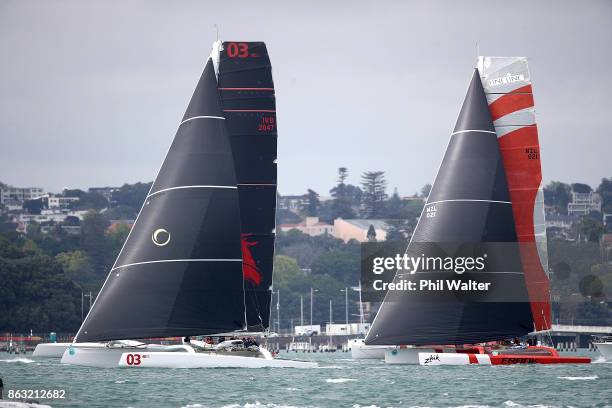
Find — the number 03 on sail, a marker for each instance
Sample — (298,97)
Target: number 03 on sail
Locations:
(198,260)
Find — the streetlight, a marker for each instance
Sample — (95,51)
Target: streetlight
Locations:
(311,294)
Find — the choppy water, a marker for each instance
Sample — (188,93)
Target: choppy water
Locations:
(340,382)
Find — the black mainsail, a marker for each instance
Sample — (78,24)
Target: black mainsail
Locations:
(469,206)
(180,270)
(249,106)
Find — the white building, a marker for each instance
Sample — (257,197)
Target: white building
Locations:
(310,226)
(564,222)
(584,203)
(307,330)
(56,201)
(12,195)
(47,216)
(358,229)
(290,202)
(336,329)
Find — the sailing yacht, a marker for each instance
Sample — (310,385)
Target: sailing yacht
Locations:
(486,200)
(198,260)
(604,346)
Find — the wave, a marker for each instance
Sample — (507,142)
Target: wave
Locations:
(587,377)
(600,360)
(339,380)
(255,404)
(334,366)
(17,360)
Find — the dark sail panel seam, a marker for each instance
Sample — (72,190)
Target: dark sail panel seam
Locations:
(469,200)
(250,110)
(194,186)
(201,117)
(247,89)
(179,260)
(472,130)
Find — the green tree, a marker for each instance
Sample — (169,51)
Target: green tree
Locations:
(121,212)
(341,265)
(394,205)
(425,190)
(131,195)
(117,236)
(77,266)
(399,229)
(591,228)
(374,188)
(94,242)
(35,293)
(581,188)
(558,195)
(34,206)
(371,235)
(605,191)
(341,204)
(311,203)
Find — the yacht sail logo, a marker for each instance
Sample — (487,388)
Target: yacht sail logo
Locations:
(249,266)
(160,237)
(432,358)
(506,79)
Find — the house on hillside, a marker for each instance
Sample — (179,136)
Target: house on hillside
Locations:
(310,226)
(358,229)
(584,203)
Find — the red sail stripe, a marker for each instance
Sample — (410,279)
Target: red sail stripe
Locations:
(523,171)
(249,267)
(522,89)
(520,98)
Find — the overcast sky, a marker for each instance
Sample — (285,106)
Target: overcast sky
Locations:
(91,92)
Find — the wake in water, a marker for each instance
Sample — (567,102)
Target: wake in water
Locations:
(17,360)
(339,380)
(255,404)
(588,377)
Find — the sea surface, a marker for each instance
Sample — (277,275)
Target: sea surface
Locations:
(339,382)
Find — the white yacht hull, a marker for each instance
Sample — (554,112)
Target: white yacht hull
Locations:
(359,350)
(405,355)
(205,360)
(605,349)
(56,350)
(180,356)
(103,356)
(432,358)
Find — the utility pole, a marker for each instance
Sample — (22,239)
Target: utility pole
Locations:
(301,310)
(82,306)
(345,290)
(330,322)
(311,294)
(84,296)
